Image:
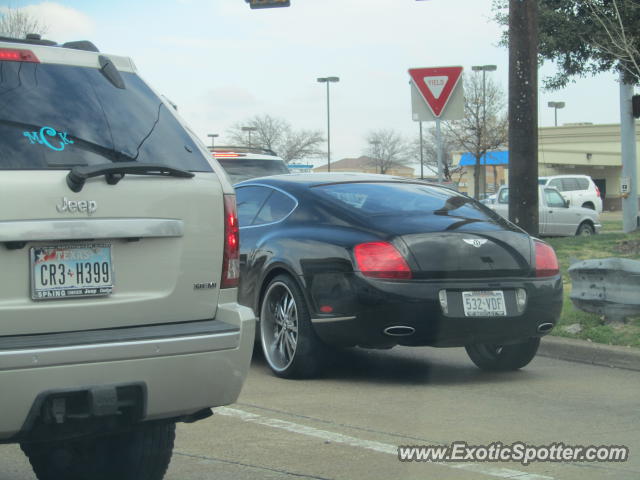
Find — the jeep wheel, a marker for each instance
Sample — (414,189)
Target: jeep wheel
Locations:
(143,453)
(289,343)
(503,357)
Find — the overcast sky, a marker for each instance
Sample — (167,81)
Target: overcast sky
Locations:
(222,62)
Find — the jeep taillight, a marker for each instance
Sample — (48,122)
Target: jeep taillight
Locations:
(546,260)
(231,258)
(598,192)
(18,55)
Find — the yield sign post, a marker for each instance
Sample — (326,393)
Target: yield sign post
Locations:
(437,94)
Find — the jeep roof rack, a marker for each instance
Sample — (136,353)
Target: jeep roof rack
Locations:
(35,39)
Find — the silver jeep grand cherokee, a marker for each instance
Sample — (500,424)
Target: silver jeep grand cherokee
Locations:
(119,267)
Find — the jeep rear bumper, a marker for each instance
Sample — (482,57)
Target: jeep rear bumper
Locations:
(181,368)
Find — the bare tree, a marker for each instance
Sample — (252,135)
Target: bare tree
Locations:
(17,23)
(455,174)
(301,144)
(484,126)
(430,150)
(386,148)
(276,134)
(584,37)
(619,38)
(266,132)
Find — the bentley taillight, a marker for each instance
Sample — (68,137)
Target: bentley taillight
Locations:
(381,260)
(546,260)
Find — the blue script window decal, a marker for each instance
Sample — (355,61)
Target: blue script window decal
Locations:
(49,137)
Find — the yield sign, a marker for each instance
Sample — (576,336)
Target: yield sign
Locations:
(436,85)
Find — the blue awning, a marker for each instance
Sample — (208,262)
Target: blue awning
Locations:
(491,158)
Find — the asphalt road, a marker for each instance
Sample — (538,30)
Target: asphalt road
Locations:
(348,424)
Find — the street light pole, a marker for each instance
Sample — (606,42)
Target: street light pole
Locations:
(249,130)
(556,106)
(328,80)
(484,69)
(376,152)
(212,136)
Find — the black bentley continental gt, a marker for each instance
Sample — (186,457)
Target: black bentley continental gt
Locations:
(376,261)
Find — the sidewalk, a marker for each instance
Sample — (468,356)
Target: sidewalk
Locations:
(591,353)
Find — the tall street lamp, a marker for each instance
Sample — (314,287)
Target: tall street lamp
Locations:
(484,69)
(212,136)
(249,130)
(555,106)
(375,145)
(328,80)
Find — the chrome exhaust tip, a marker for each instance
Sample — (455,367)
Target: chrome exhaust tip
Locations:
(545,327)
(399,331)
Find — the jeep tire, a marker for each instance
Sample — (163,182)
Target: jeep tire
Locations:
(142,453)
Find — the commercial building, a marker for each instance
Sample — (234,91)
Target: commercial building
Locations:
(584,149)
(366,164)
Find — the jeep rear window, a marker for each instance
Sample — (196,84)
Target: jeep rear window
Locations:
(60,116)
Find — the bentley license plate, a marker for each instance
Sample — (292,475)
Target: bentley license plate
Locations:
(484,304)
(71,271)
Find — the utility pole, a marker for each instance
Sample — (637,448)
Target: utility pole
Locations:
(523,114)
(629,167)
(483,126)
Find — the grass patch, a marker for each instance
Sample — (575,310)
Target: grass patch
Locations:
(592,327)
(611,226)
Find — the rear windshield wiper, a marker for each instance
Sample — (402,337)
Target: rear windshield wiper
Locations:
(114,172)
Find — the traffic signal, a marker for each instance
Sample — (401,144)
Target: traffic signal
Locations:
(268,3)
(635,106)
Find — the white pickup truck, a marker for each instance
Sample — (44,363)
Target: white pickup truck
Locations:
(557,217)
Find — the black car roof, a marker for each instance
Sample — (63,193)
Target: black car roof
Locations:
(315,179)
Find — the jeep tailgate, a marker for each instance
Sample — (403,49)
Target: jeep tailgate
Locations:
(165,251)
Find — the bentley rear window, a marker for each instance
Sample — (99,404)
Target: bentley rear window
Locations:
(402,199)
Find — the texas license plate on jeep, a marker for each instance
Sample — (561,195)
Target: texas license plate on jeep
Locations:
(71,271)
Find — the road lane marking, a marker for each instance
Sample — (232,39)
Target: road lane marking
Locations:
(309,431)
(211,460)
(379,447)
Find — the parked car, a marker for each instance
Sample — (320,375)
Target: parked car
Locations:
(244,163)
(119,254)
(578,190)
(556,216)
(489,199)
(376,261)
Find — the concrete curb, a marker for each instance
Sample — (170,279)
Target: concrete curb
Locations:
(588,352)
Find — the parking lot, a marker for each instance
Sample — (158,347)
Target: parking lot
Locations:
(348,424)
